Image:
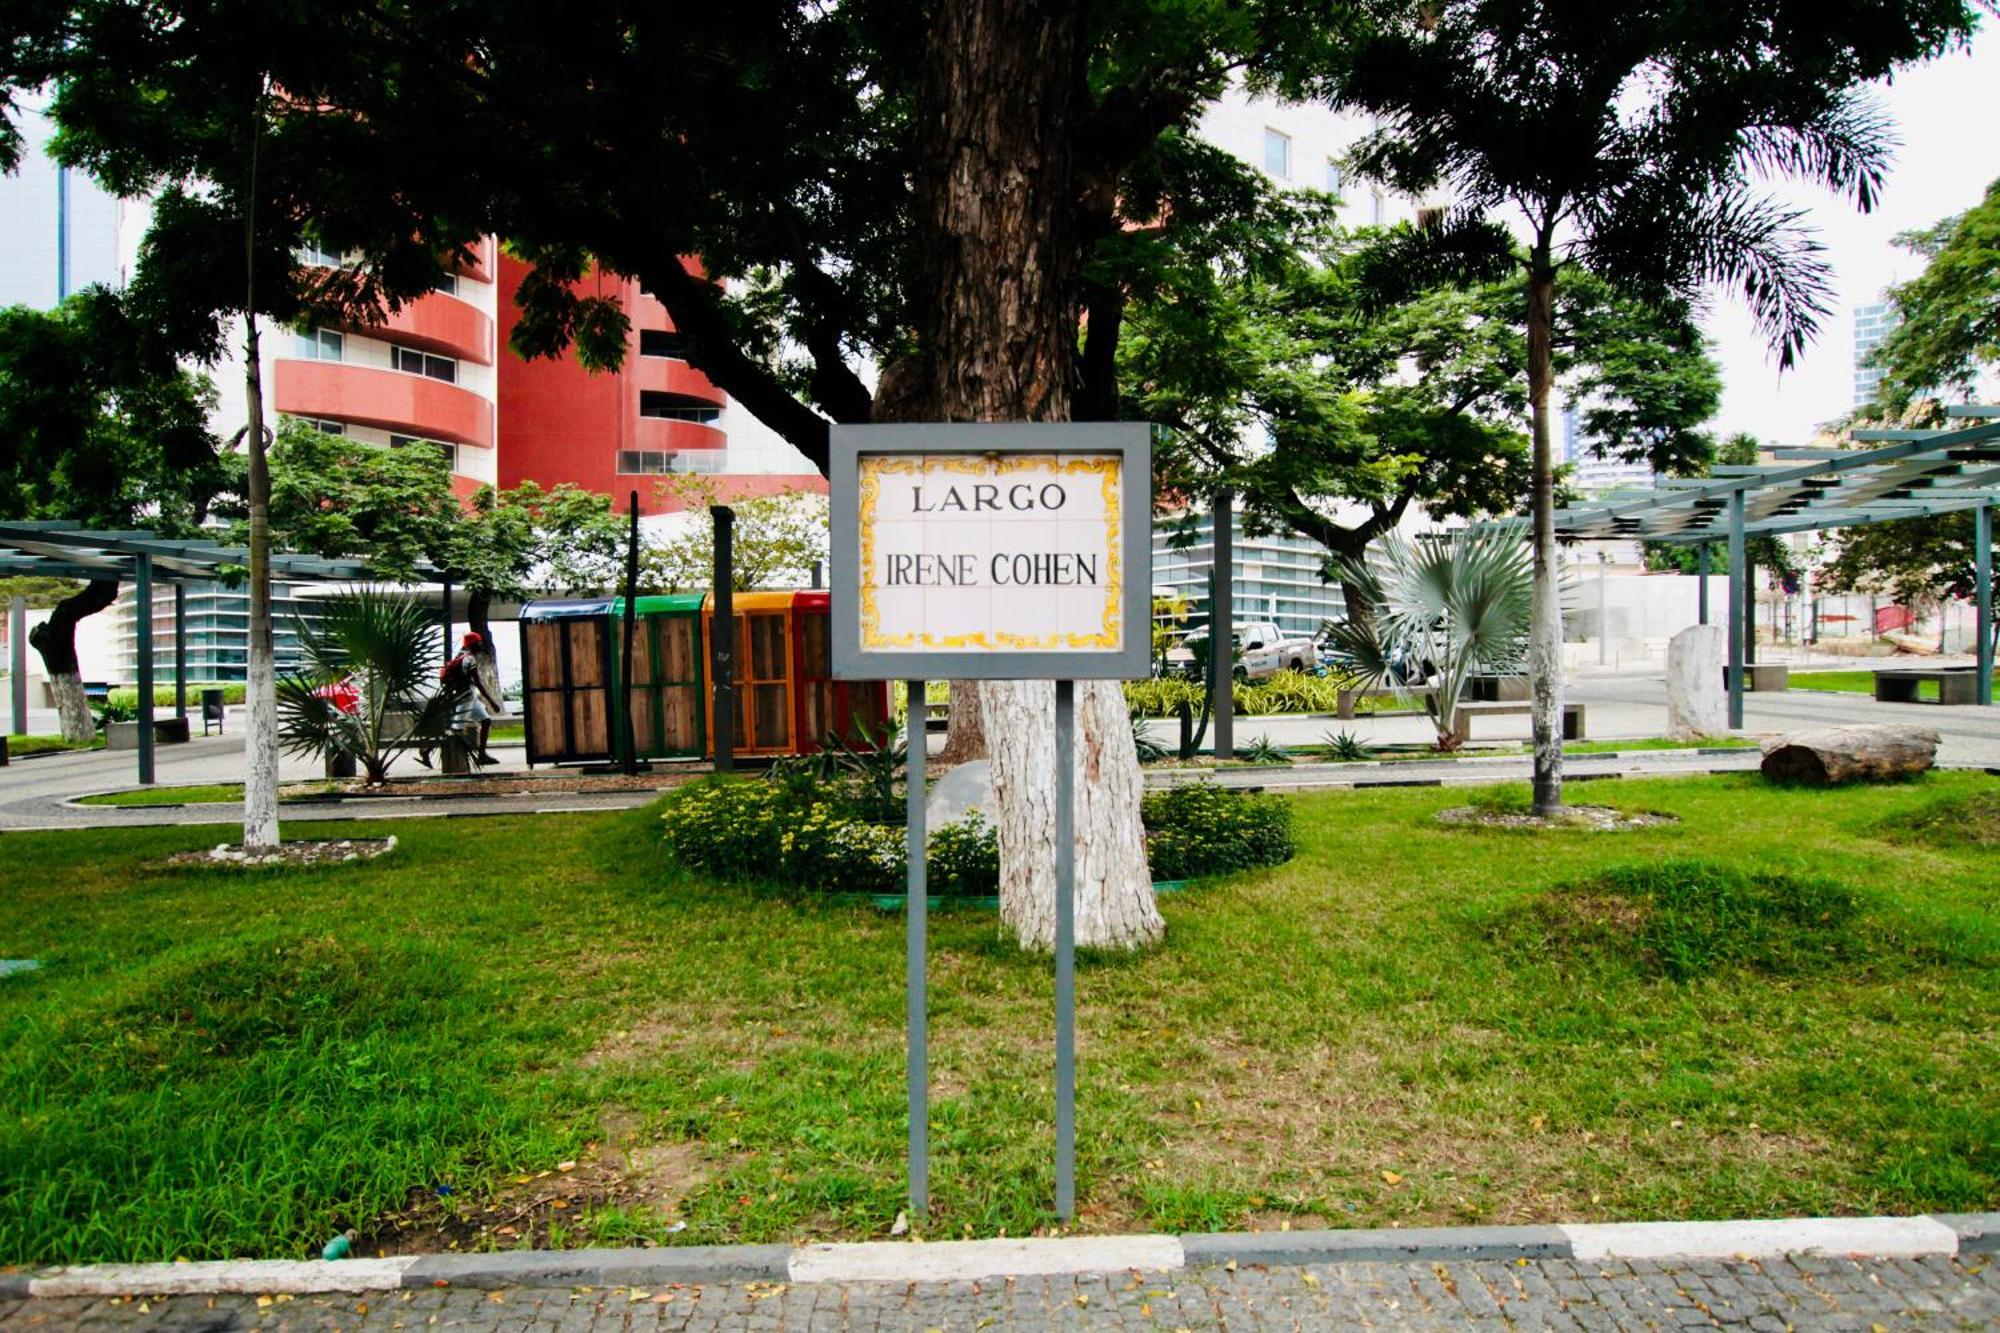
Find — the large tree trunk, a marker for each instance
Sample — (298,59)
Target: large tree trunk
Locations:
(55,640)
(260,778)
(1545,616)
(996,194)
(965,728)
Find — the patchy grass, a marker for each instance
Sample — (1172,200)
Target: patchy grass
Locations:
(1863,682)
(140,797)
(26,745)
(1411,753)
(212,794)
(241,1065)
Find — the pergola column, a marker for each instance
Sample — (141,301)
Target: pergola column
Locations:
(1982,567)
(1737,584)
(1701,575)
(142,618)
(180,649)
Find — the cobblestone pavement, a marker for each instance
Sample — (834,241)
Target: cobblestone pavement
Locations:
(1803,1293)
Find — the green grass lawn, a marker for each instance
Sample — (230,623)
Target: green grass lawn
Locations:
(25,745)
(537,1027)
(1858,682)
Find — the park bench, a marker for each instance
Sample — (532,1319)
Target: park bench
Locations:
(1898,685)
(1461,722)
(1762,677)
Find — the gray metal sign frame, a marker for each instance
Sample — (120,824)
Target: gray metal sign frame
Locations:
(1132,442)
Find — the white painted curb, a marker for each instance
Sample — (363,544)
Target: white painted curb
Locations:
(968,1260)
(232,1275)
(1887,1237)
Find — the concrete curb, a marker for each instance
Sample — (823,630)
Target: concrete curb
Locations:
(1381,1245)
(1944,1235)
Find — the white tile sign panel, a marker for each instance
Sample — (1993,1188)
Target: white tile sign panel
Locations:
(994,552)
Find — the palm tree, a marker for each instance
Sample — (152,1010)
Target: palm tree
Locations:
(384,647)
(1629,137)
(1444,610)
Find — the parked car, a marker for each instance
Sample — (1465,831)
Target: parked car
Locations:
(1261,651)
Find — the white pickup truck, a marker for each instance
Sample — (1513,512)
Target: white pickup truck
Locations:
(1265,650)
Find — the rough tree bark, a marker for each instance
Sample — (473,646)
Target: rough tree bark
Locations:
(996,192)
(1545,615)
(55,640)
(965,728)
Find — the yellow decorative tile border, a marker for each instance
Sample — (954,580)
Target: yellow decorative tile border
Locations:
(872,468)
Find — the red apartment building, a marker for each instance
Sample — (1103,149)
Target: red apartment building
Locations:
(439,374)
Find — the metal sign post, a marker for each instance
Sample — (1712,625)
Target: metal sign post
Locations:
(992,552)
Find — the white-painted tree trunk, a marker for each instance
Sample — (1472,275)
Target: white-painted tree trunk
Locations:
(1115,907)
(72,707)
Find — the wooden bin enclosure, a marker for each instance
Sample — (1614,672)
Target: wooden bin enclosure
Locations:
(566,680)
(765,724)
(850,709)
(573,660)
(669,672)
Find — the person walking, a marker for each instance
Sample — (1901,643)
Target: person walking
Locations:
(462,679)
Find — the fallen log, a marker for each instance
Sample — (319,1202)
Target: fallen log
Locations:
(1863,752)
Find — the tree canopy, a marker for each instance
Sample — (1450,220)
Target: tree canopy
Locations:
(1948,334)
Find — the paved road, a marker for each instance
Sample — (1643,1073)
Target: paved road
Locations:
(1803,1293)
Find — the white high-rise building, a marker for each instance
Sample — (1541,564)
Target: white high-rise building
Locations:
(1593,475)
(58,229)
(1872,324)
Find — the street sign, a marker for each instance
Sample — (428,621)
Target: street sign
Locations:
(992,552)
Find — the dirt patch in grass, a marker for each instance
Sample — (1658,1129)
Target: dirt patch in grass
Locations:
(1591,818)
(300,853)
(624,1189)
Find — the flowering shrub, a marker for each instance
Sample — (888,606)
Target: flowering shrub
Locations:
(1281,692)
(1201,829)
(764,832)
(825,851)
(730,828)
(963,859)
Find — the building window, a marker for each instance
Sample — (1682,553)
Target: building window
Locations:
(318,345)
(450,451)
(1278,153)
(413,362)
(312,252)
(1333,180)
(661,462)
(654,403)
(659,342)
(1380,203)
(448,284)
(326,426)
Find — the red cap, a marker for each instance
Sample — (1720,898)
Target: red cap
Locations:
(471,637)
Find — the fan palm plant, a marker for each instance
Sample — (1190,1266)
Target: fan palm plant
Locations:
(1444,610)
(384,647)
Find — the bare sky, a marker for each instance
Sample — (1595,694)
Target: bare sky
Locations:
(1947,114)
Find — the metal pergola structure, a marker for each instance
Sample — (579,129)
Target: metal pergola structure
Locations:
(1909,474)
(59,549)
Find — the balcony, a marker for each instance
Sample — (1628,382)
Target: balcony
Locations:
(438,323)
(676,377)
(663,433)
(387,400)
